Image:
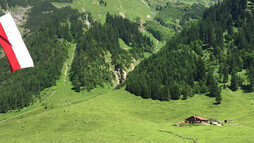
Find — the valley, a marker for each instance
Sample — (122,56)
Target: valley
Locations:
(107,115)
(129,71)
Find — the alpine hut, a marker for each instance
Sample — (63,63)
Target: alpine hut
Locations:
(196,120)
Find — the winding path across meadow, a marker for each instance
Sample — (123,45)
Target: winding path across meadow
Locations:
(193,139)
(67,65)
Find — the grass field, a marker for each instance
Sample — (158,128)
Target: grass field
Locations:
(107,115)
(130,9)
(117,116)
(190,2)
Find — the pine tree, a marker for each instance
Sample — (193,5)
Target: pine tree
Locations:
(3,4)
(210,77)
(251,77)
(234,81)
(200,69)
(211,35)
(145,93)
(175,91)
(187,92)
(164,94)
(217,52)
(225,73)
(76,83)
(213,88)
(167,95)
(218,98)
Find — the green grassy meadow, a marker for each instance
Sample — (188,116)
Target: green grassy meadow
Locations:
(107,115)
(117,116)
(130,9)
(190,2)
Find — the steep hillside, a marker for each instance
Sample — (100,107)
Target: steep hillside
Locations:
(48,33)
(172,16)
(161,3)
(202,55)
(161,18)
(47,40)
(130,9)
(106,62)
(99,55)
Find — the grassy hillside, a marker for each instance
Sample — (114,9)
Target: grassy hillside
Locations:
(127,8)
(120,117)
(155,16)
(156,3)
(104,115)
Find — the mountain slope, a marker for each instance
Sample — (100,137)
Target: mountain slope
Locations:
(99,54)
(47,40)
(130,9)
(200,56)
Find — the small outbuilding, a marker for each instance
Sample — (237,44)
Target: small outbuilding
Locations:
(196,120)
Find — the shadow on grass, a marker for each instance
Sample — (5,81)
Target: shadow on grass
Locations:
(246,88)
(209,95)
(76,102)
(216,103)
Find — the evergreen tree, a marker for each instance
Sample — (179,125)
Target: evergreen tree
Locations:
(3,4)
(218,98)
(213,88)
(234,81)
(201,71)
(220,71)
(225,73)
(145,93)
(187,92)
(210,78)
(175,91)
(166,93)
(251,77)
(197,47)
(217,52)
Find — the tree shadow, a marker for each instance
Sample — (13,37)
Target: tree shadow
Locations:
(209,95)
(216,103)
(246,88)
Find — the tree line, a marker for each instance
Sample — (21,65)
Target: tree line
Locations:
(209,53)
(50,31)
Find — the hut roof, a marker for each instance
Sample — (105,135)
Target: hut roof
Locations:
(197,117)
(200,118)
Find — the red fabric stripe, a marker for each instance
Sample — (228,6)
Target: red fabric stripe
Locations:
(14,64)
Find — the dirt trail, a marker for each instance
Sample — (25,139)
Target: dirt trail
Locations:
(145,3)
(156,47)
(65,73)
(52,93)
(49,96)
(193,139)
(68,64)
(86,20)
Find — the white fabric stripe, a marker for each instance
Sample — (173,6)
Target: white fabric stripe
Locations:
(16,41)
